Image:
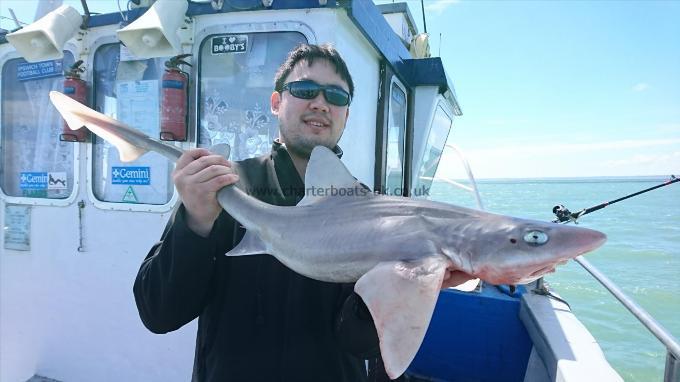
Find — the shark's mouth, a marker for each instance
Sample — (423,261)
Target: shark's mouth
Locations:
(547,269)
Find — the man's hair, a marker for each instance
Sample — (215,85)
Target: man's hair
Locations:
(309,53)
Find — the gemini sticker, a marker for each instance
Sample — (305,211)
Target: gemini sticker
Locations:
(235,43)
(140,176)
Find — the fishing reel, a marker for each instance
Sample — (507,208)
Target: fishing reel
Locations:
(563,214)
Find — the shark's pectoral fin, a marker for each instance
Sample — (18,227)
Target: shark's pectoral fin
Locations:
(401,297)
(251,244)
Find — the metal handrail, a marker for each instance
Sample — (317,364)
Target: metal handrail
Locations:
(672,370)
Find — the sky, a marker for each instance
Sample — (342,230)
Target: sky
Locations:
(561,88)
(548,88)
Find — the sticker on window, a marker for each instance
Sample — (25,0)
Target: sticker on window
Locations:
(35,70)
(237,43)
(33,180)
(130,196)
(131,175)
(56,181)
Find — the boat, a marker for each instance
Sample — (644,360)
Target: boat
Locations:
(78,221)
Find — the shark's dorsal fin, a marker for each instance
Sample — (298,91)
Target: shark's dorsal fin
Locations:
(326,175)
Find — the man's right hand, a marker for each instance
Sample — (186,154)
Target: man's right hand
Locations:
(198,176)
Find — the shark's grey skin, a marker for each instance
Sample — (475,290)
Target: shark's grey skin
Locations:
(340,238)
(397,250)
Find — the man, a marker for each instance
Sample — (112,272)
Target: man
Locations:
(258,320)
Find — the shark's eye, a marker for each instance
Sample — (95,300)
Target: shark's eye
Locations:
(536,237)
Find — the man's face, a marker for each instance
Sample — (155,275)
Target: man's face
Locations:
(306,123)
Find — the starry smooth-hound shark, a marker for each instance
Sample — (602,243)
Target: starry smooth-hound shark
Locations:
(396,249)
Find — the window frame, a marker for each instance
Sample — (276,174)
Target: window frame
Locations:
(399,84)
(115,206)
(23,200)
(236,28)
(447,109)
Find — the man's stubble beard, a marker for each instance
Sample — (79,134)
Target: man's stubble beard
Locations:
(303,145)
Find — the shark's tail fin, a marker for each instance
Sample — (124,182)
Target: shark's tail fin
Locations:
(131,143)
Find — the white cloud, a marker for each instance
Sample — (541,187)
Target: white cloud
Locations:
(541,148)
(538,159)
(646,159)
(438,6)
(640,87)
(669,128)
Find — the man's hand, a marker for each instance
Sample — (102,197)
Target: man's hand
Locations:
(198,176)
(454,277)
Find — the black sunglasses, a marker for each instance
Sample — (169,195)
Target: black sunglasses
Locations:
(308,89)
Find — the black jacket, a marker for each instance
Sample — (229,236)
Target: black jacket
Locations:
(257,320)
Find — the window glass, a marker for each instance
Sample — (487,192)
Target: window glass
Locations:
(236,82)
(396,131)
(35,163)
(436,139)
(129,91)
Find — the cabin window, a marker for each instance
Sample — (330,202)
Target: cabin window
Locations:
(129,90)
(35,163)
(236,80)
(396,131)
(436,139)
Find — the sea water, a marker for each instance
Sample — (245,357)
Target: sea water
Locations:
(641,255)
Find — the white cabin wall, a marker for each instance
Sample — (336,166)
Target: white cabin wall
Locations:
(71,315)
(19,337)
(358,140)
(20,332)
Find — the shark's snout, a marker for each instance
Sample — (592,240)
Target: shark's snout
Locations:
(589,240)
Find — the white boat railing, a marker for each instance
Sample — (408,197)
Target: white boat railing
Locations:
(672,370)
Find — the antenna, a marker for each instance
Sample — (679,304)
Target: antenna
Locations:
(14,17)
(422,8)
(440,45)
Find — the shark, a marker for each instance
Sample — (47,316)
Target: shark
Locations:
(396,250)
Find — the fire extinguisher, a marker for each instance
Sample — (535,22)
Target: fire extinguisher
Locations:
(75,88)
(174,100)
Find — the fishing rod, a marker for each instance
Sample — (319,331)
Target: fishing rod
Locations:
(565,216)
(662,334)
